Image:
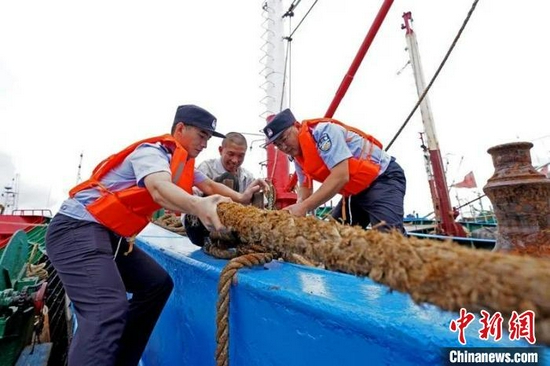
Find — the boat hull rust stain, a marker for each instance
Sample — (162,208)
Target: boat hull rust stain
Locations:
(286,314)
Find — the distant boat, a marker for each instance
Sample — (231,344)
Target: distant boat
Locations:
(35,326)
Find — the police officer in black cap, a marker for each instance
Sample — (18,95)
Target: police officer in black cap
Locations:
(90,239)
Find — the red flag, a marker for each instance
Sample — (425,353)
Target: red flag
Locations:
(469,181)
(544,170)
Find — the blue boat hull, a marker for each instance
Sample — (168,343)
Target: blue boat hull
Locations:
(286,314)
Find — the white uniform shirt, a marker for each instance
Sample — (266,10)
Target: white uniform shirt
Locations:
(335,144)
(144,160)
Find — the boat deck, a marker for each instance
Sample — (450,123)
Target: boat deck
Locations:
(287,314)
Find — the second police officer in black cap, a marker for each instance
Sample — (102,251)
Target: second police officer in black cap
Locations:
(344,160)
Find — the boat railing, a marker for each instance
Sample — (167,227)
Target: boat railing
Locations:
(33,212)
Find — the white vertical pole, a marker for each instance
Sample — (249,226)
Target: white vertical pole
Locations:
(274,58)
(425,108)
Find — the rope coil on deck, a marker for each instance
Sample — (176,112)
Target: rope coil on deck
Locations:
(172,222)
(228,276)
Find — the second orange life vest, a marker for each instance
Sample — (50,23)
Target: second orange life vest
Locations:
(362,172)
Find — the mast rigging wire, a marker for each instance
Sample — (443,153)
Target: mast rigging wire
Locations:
(287,68)
(301,21)
(290,14)
(425,92)
(290,11)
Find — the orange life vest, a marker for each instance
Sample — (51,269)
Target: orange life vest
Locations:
(128,211)
(362,172)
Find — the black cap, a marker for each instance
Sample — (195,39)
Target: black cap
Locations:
(278,125)
(196,116)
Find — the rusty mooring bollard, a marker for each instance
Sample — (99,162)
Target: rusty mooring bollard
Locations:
(521,200)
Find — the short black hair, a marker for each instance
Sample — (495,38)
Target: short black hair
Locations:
(236,138)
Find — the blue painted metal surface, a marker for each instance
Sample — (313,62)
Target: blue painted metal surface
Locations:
(285,314)
(35,355)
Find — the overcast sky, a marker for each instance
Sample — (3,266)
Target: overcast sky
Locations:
(91,77)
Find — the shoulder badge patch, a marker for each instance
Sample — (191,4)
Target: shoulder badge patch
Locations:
(324,144)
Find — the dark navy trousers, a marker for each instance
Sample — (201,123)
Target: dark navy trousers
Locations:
(112,330)
(381,201)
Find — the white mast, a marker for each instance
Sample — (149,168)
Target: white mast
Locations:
(436,174)
(275,99)
(425,108)
(273,59)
